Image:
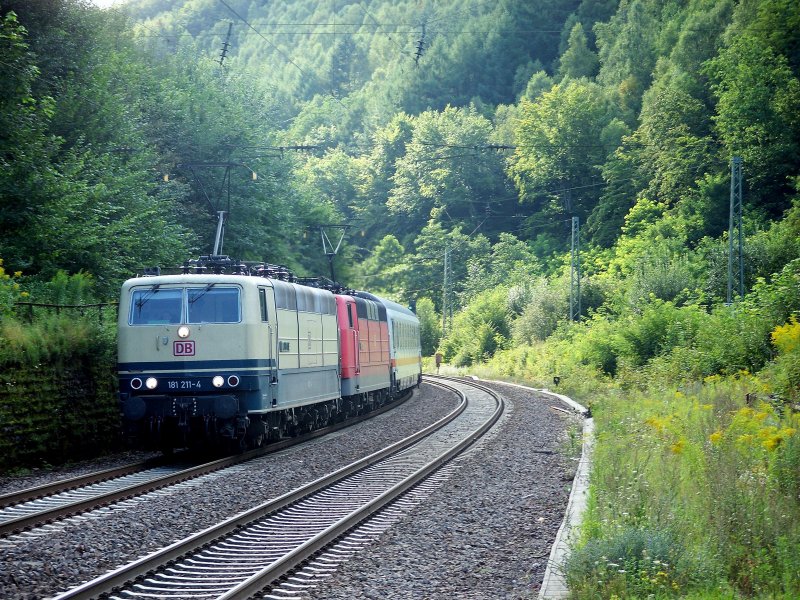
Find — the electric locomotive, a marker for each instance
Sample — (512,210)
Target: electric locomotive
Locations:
(232,354)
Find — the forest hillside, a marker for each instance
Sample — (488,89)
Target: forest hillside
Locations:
(606,192)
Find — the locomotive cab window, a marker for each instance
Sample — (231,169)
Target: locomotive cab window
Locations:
(213,304)
(156,306)
(262,301)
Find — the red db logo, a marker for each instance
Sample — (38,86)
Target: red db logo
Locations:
(183,348)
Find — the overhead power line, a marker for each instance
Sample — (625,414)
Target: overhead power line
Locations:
(278,50)
(226,44)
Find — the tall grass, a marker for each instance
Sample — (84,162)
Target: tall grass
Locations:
(695,483)
(714,469)
(55,339)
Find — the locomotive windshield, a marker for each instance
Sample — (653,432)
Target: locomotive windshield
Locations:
(213,305)
(172,306)
(154,306)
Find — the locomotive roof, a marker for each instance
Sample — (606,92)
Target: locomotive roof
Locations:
(205,278)
(390,305)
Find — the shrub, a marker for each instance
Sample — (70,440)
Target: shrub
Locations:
(10,291)
(636,563)
(480,330)
(545,306)
(784,372)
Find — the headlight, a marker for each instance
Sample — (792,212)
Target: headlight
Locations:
(218,381)
(233,380)
(183,332)
(151,383)
(136,383)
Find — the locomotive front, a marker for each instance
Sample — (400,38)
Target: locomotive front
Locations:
(194,356)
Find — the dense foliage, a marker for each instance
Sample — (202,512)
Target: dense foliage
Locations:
(458,133)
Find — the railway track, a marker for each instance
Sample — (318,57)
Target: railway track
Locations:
(30,508)
(253,550)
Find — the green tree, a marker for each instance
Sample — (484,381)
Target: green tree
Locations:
(757,117)
(578,60)
(445,174)
(26,149)
(385,268)
(511,262)
(425,268)
(430,326)
(556,163)
(480,330)
(626,48)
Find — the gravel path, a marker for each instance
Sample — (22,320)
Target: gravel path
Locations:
(485,534)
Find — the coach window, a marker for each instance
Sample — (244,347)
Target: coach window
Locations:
(350,315)
(262,300)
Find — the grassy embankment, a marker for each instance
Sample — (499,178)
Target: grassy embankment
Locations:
(57,396)
(695,483)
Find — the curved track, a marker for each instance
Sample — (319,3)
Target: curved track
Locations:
(27,509)
(251,551)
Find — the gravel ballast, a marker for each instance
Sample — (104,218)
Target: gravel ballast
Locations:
(486,533)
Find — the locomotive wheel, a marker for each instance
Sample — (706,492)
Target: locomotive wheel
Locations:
(256,434)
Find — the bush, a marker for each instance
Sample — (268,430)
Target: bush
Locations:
(9,291)
(707,465)
(545,306)
(480,330)
(636,563)
(57,379)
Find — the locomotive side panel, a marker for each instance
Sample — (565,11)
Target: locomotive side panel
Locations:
(348,344)
(308,370)
(374,371)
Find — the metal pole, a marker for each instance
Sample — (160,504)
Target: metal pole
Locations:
(220,232)
(445,290)
(575,273)
(330,259)
(735,229)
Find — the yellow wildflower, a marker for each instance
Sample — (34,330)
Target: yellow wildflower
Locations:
(17,273)
(658,423)
(677,447)
(787,337)
(715,437)
(767,432)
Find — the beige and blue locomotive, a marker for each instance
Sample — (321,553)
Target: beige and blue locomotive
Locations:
(243,356)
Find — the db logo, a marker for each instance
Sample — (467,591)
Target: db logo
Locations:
(183,348)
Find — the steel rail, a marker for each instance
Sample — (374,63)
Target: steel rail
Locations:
(111,581)
(63,485)
(301,554)
(73,507)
